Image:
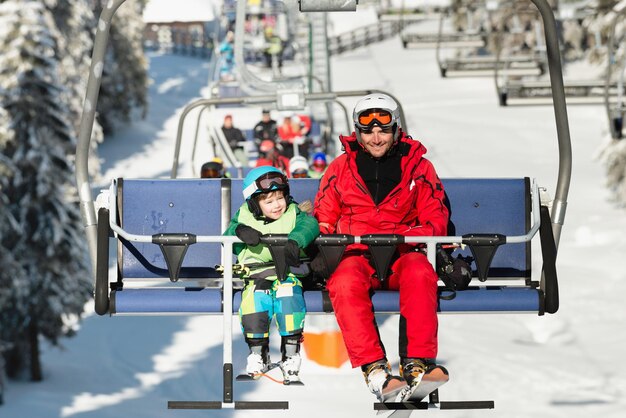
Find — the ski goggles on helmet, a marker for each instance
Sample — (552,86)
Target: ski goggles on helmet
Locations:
(300,174)
(267,183)
(369,118)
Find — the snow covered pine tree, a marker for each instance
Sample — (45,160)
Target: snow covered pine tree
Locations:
(49,283)
(123,94)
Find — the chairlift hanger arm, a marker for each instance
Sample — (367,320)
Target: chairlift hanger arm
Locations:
(560,112)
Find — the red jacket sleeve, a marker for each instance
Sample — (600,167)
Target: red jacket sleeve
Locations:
(327,202)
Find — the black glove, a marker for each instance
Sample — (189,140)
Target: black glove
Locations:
(248,235)
(292,253)
(456,273)
(318,266)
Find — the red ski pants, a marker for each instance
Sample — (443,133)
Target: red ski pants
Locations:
(350,287)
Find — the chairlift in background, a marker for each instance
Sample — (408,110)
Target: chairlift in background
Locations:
(507,60)
(472,36)
(525,90)
(498,218)
(614,92)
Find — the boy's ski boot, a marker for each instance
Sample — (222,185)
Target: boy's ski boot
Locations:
(258,361)
(291,369)
(291,360)
(380,381)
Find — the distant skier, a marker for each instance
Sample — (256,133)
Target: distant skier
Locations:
(382,184)
(269,208)
(266,128)
(213,169)
(269,155)
(227,57)
(319,165)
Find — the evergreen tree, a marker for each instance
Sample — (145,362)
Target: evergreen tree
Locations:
(49,278)
(9,270)
(76,22)
(123,94)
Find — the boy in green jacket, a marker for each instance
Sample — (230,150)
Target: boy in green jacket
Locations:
(269,208)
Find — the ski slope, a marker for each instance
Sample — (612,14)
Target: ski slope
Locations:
(564,365)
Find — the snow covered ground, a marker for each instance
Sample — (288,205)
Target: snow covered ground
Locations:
(185,11)
(564,365)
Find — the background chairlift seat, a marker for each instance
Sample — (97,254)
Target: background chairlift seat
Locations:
(445,40)
(472,37)
(538,92)
(516,62)
(485,65)
(227,89)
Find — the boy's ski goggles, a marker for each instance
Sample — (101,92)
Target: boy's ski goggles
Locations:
(266,183)
(366,121)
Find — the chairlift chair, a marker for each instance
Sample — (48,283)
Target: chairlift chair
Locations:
(169,230)
(535,91)
(513,63)
(472,37)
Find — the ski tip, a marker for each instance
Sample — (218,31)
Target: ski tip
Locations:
(293,383)
(245,378)
(437,374)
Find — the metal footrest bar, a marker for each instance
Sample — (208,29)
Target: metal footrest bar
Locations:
(391,406)
(227,405)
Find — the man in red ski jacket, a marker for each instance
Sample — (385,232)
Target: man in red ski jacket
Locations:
(382,184)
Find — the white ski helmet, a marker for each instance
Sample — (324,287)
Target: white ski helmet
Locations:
(377,101)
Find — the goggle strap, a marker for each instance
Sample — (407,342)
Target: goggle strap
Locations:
(249,191)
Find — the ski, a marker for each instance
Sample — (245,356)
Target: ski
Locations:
(392,397)
(411,397)
(431,380)
(245,377)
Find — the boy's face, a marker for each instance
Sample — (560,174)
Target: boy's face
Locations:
(273,204)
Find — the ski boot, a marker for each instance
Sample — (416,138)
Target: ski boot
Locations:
(291,360)
(258,361)
(380,381)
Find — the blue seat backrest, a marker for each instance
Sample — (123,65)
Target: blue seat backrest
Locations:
(228,90)
(249,134)
(477,206)
(170,206)
(194,206)
(300,189)
(494,206)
